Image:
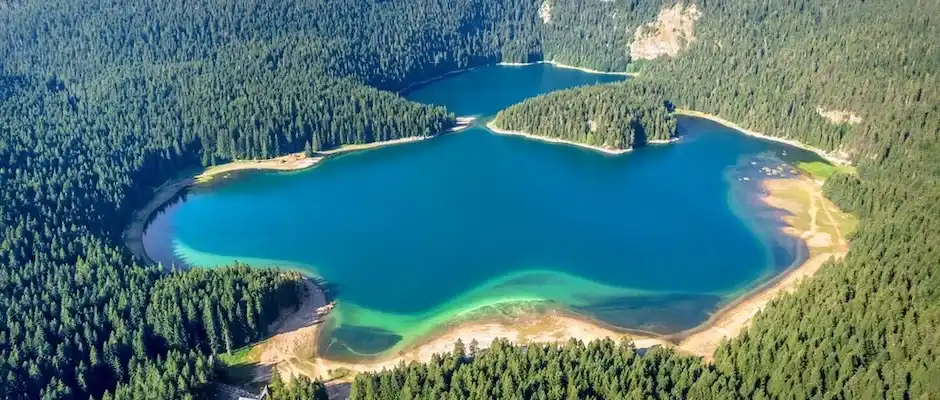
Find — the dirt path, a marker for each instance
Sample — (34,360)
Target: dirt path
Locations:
(294,338)
(539,328)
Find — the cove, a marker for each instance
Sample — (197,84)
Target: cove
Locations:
(416,236)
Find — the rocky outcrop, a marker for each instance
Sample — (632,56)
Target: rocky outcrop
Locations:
(545,12)
(839,116)
(672,30)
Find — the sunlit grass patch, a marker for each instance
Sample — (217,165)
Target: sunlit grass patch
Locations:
(823,170)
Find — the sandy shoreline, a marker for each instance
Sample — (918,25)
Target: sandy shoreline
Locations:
(494,129)
(566,66)
(662,141)
(807,213)
(133,234)
(714,118)
(820,224)
(809,216)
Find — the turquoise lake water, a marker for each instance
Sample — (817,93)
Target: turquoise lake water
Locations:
(411,237)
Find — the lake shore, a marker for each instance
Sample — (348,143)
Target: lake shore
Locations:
(808,215)
(293,350)
(494,129)
(832,158)
(662,141)
(566,66)
(134,232)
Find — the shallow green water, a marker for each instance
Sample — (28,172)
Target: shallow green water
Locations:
(416,235)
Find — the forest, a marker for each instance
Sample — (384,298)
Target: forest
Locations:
(100,102)
(612,116)
(601,369)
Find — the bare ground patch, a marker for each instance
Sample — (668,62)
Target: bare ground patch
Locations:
(839,116)
(672,30)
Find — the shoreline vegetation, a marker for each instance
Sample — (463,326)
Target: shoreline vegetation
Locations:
(807,215)
(492,128)
(834,159)
(133,234)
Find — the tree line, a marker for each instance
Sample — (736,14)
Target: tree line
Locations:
(602,369)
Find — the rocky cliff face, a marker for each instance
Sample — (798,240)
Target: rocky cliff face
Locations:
(672,30)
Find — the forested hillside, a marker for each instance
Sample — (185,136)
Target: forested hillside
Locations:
(101,101)
(614,116)
(601,369)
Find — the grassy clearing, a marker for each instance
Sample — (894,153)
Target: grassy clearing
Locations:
(245,355)
(241,364)
(823,170)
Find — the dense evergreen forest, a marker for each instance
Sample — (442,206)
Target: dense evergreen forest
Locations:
(614,116)
(101,101)
(601,369)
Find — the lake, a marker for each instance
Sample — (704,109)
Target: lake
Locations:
(413,237)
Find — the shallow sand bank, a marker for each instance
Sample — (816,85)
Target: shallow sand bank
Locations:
(605,150)
(808,215)
(566,66)
(831,157)
(293,352)
(134,233)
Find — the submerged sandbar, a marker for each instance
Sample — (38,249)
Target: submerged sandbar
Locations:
(809,216)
